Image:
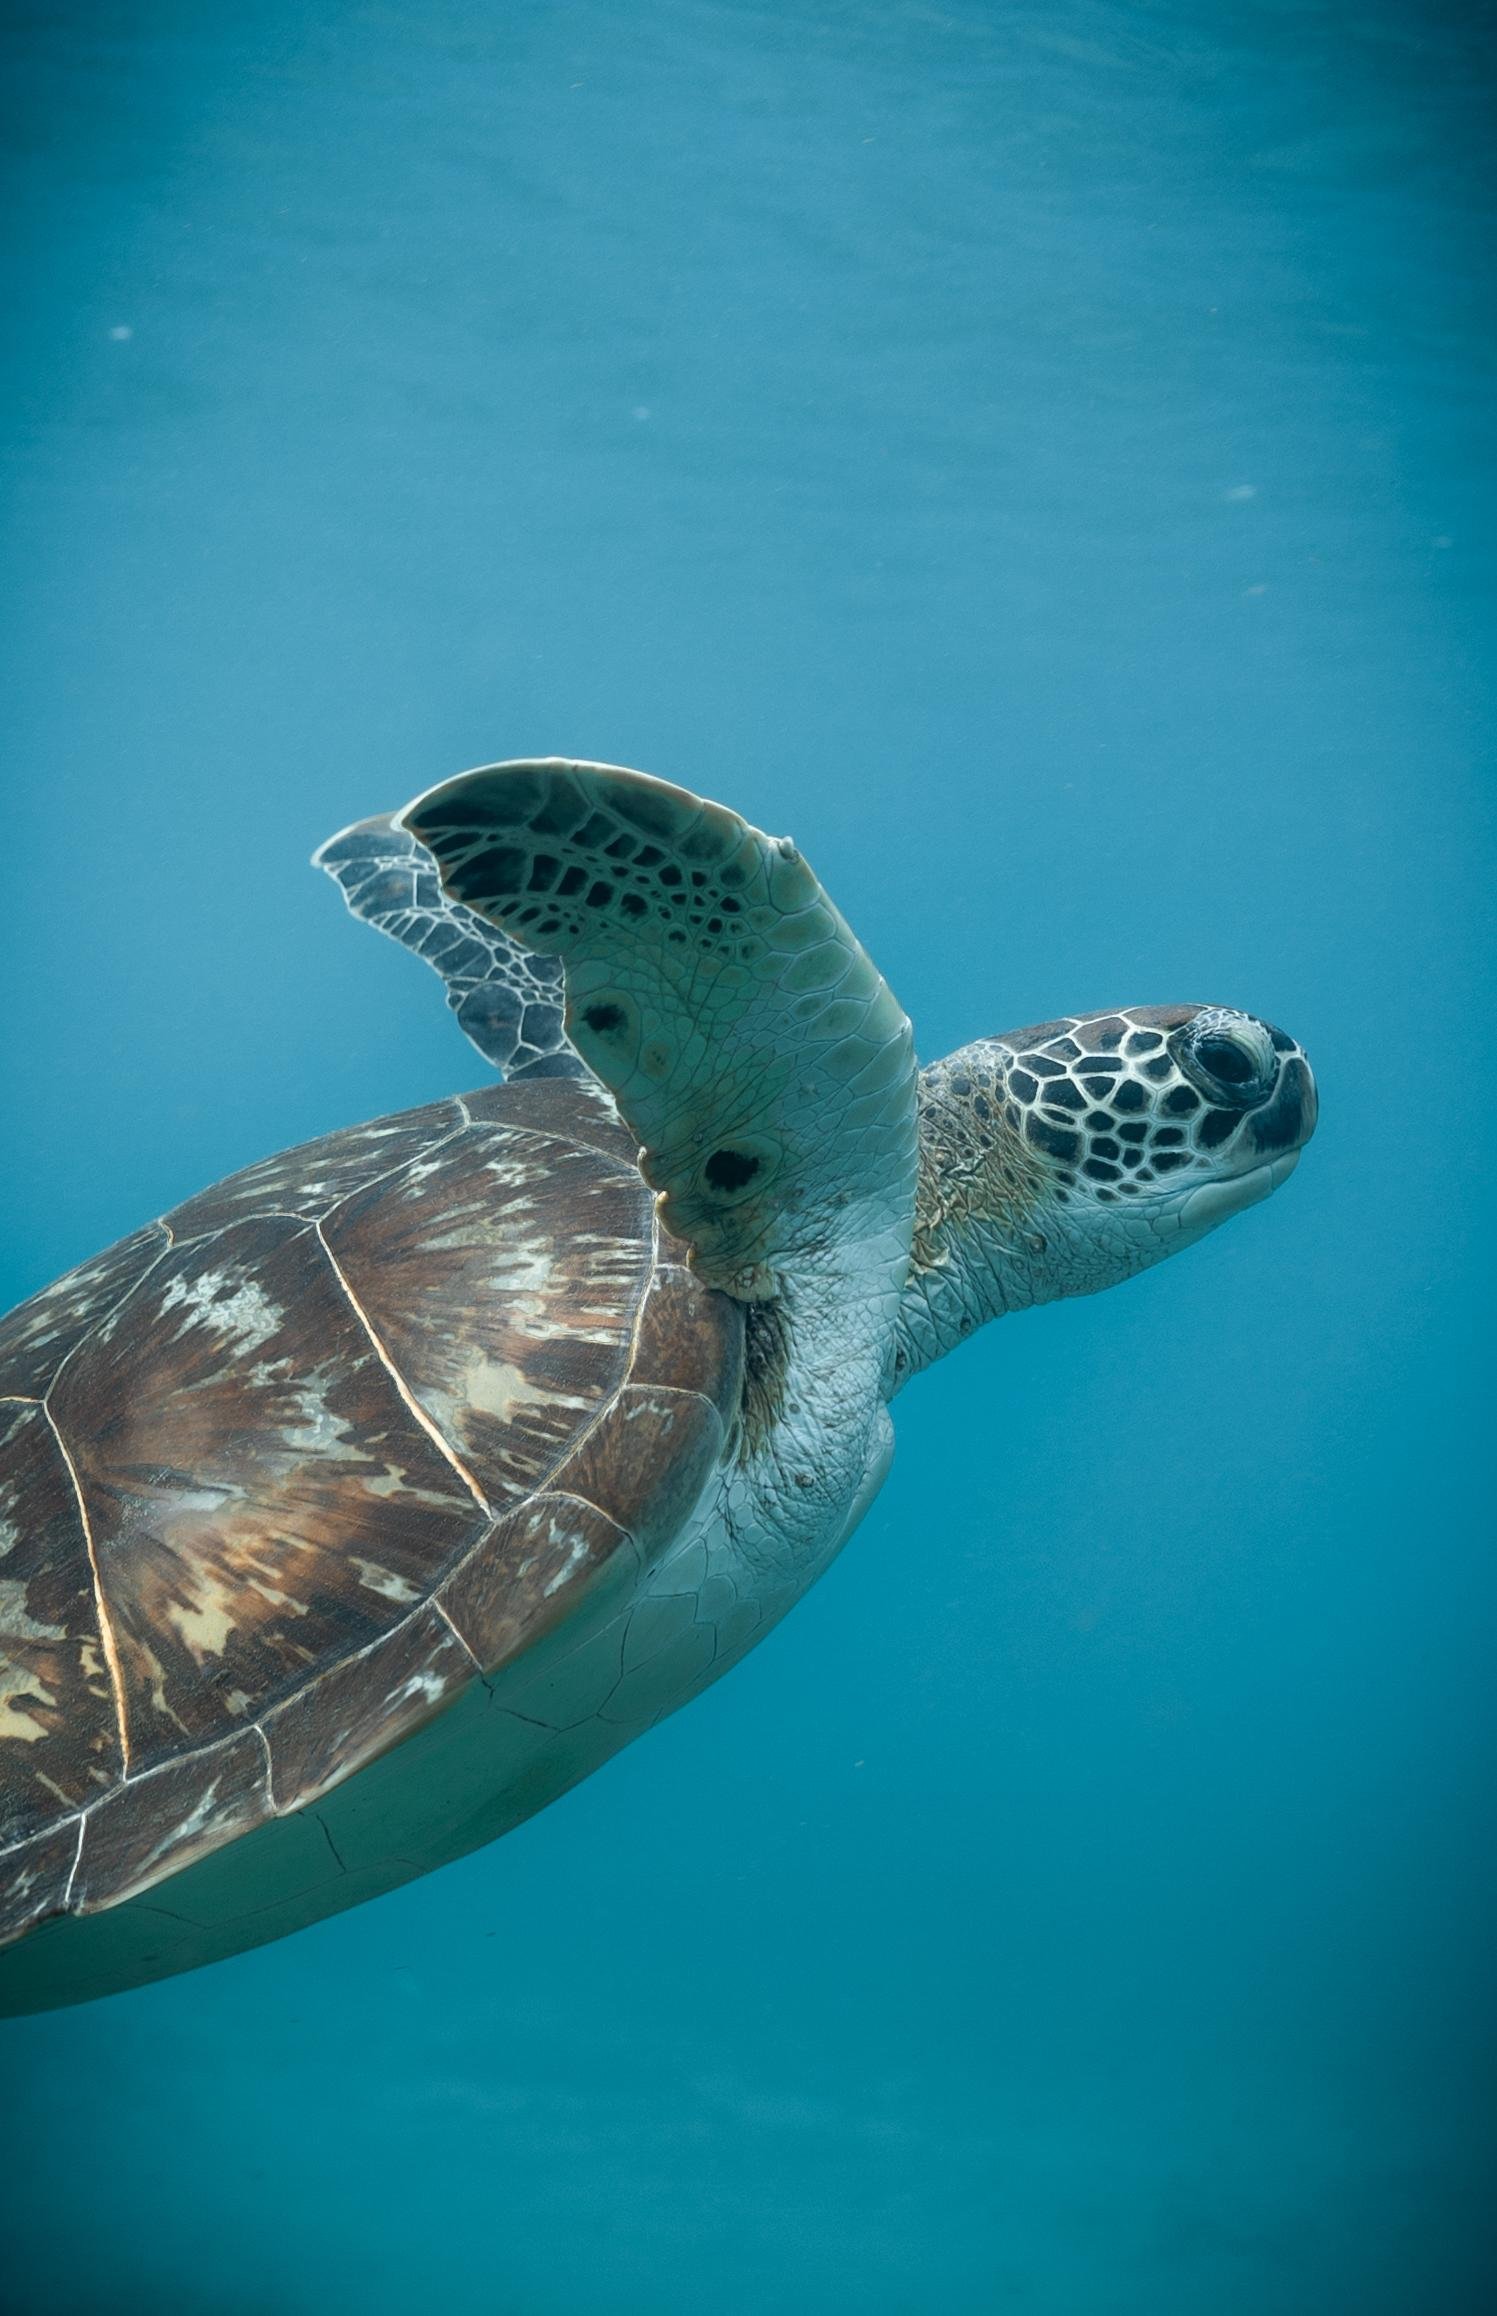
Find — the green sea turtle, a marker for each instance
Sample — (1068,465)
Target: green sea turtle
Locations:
(368,1500)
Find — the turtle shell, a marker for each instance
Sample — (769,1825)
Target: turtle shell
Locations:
(284,1473)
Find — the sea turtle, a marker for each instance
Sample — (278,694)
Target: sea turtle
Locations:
(367,1501)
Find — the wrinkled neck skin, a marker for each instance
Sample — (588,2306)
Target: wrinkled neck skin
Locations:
(991,1233)
(813,1434)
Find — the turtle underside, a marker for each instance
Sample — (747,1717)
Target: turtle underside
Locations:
(285,1473)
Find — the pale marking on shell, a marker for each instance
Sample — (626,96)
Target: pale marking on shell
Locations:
(13,1594)
(399,1381)
(654,1273)
(244,1314)
(67,1894)
(101,1604)
(389,1586)
(578,1553)
(16,1724)
(457,1636)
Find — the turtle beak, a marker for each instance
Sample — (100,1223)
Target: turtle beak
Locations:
(1288,1118)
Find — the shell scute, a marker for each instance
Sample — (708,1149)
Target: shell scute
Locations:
(523,1576)
(363,1706)
(38,1334)
(504,1291)
(34,1877)
(155,1824)
(647,1463)
(262,1502)
(690,1338)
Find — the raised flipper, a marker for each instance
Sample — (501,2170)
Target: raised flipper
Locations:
(508,1000)
(746,1036)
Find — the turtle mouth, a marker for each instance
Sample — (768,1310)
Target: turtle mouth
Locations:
(1192,1212)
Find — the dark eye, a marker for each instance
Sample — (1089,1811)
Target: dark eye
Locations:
(1228,1062)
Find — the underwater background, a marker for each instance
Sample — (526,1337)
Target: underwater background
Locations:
(1042,456)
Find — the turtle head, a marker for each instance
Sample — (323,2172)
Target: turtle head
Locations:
(1065,1157)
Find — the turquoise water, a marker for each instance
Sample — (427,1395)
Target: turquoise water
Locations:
(1042,457)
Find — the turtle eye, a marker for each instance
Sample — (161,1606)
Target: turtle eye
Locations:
(1224,1059)
(1228,1057)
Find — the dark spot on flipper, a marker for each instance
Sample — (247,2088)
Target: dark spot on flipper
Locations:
(731,1169)
(604,1020)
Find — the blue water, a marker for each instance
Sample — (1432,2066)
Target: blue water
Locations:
(1042,456)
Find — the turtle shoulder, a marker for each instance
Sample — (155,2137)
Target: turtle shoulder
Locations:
(301,1462)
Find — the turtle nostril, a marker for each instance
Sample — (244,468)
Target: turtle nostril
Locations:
(1230,1063)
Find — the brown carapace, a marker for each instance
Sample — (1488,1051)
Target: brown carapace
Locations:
(284,1473)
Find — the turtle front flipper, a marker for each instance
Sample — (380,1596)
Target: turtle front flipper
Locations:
(508,1000)
(747,1037)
